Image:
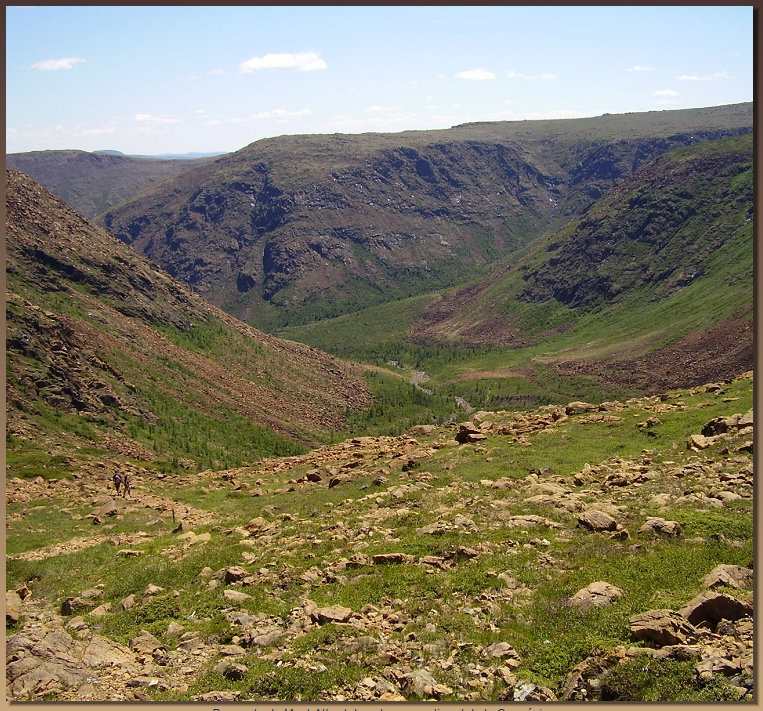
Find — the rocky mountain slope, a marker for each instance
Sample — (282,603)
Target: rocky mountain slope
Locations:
(657,228)
(93,183)
(107,350)
(650,289)
(295,228)
(674,240)
(574,553)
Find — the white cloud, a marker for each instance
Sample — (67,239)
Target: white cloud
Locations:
(665,92)
(546,76)
(215,72)
(280,115)
(301,62)
(707,77)
(53,65)
(640,68)
(479,74)
(151,120)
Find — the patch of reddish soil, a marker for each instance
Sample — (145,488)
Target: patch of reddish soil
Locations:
(722,352)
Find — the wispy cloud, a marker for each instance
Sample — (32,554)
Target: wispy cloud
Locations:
(665,92)
(151,120)
(640,68)
(54,65)
(280,115)
(301,62)
(479,74)
(547,76)
(707,77)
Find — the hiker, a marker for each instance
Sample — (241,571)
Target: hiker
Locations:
(127,486)
(117,481)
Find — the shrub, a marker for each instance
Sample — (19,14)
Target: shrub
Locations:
(640,679)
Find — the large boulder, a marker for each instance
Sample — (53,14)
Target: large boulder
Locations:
(595,520)
(659,628)
(660,526)
(469,433)
(711,607)
(14,606)
(734,576)
(598,594)
(421,683)
(334,613)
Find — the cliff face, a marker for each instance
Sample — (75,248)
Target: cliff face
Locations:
(292,229)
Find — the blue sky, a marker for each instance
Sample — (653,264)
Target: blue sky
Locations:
(152,80)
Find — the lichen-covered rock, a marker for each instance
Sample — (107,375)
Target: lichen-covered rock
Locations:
(598,594)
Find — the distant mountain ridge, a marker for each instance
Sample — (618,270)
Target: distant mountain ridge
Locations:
(298,228)
(92,183)
(162,156)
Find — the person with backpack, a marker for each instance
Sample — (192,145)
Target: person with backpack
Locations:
(117,478)
(127,486)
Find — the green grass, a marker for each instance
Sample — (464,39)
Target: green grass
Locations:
(216,439)
(27,461)
(642,680)
(463,606)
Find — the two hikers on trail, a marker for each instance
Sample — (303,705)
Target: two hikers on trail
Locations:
(123,483)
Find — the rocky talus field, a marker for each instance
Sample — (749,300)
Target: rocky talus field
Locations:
(573,553)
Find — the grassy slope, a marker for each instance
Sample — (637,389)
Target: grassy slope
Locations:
(456,610)
(102,346)
(643,318)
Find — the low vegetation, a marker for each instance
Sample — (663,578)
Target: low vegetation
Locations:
(437,550)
